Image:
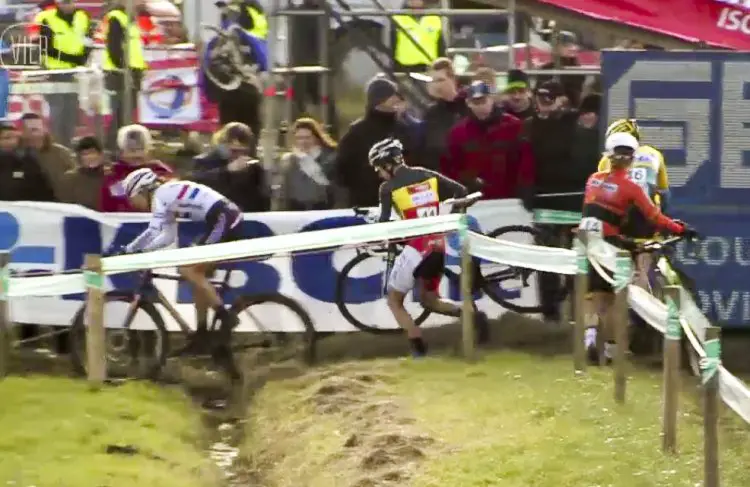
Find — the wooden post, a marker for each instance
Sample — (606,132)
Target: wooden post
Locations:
(671,379)
(620,322)
(710,379)
(5,324)
(96,359)
(581,288)
(467,304)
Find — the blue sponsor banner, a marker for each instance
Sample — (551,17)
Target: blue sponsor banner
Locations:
(695,107)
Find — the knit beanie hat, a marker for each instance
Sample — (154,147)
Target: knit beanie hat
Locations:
(517,80)
(379,89)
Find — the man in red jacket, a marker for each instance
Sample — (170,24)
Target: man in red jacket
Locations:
(134,142)
(488,145)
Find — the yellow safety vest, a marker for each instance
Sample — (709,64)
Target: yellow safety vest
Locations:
(68,38)
(135,46)
(260,24)
(426,32)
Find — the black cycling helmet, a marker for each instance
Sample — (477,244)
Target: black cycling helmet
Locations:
(387,151)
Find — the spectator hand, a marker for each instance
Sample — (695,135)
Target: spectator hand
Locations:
(238,164)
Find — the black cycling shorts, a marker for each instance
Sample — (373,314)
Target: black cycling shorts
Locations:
(223,224)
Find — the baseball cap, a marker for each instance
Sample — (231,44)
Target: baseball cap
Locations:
(478,89)
(549,89)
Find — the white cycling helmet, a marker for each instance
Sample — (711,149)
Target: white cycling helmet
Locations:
(138,180)
(621,139)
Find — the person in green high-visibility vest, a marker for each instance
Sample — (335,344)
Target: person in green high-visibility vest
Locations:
(416,40)
(119,31)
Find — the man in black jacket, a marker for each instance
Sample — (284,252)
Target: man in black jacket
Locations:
(449,107)
(550,131)
(21,177)
(385,117)
(517,95)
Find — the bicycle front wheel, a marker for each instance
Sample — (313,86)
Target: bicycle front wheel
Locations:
(256,312)
(360,297)
(136,344)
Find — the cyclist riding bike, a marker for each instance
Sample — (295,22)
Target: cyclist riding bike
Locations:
(609,198)
(168,200)
(416,192)
(649,171)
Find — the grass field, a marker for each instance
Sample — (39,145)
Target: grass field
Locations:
(510,420)
(56,433)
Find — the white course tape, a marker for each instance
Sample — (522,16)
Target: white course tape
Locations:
(58,285)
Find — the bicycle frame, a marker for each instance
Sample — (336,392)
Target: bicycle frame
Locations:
(147,291)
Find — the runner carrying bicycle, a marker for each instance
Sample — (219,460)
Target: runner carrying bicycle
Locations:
(416,192)
(168,200)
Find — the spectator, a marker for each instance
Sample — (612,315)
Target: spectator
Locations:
(135,144)
(586,150)
(517,95)
(230,170)
(567,50)
(304,179)
(488,145)
(21,176)
(487,75)
(416,40)
(54,159)
(441,116)
(82,185)
(384,117)
(551,131)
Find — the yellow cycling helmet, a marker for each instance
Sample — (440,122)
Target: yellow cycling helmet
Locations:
(626,125)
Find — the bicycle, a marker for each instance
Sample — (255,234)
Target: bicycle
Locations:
(226,60)
(489,280)
(663,273)
(130,341)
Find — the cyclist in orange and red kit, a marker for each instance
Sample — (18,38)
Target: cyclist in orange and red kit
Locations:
(608,198)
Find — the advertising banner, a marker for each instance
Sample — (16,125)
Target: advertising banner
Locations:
(169,95)
(694,107)
(720,23)
(56,238)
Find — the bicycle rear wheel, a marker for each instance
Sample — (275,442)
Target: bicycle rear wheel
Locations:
(129,352)
(248,307)
(499,279)
(348,285)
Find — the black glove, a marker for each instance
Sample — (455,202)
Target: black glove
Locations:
(688,232)
(114,250)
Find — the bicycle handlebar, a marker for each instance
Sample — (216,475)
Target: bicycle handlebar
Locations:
(656,245)
(465,201)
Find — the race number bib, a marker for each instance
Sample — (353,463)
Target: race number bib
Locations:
(427,211)
(591,225)
(639,175)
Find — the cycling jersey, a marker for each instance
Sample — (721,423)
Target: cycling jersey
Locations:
(191,201)
(648,170)
(609,196)
(416,192)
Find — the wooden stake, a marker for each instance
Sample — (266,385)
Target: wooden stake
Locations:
(96,358)
(671,378)
(620,323)
(5,324)
(467,305)
(581,288)
(710,376)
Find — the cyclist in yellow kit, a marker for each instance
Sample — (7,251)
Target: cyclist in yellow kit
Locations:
(649,171)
